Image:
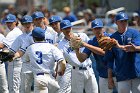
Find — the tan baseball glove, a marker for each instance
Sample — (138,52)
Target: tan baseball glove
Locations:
(106,43)
(75,42)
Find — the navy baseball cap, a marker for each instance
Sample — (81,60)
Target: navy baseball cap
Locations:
(10,18)
(37,14)
(26,19)
(121,16)
(53,19)
(65,24)
(97,23)
(38,33)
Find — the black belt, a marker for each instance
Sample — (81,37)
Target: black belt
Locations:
(82,68)
(40,74)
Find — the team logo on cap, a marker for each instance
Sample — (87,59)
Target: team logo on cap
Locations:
(66,23)
(37,14)
(53,19)
(8,17)
(123,15)
(26,19)
(96,23)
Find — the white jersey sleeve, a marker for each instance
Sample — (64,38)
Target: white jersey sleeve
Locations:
(84,37)
(58,55)
(11,36)
(1,37)
(16,45)
(50,35)
(26,57)
(27,42)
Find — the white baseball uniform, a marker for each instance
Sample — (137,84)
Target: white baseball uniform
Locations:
(65,80)
(50,37)
(60,36)
(83,78)
(14,67)
(42,57)
(26,73)
(3,77)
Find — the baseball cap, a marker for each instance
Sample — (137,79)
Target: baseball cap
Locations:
(10,18)
(37,14)
(121,16)
(26,19)
(96,23)
(135,14)
(38,33)
(53,19)
(65,24)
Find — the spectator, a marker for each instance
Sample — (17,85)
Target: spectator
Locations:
(69,16)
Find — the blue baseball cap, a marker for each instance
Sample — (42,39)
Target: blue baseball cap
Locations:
(37,14)
(53,19)
(121,16)
(26,19)
(10,18)
(65,24)
(38,33)
(96,23)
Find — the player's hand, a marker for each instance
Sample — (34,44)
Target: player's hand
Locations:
(61,73)
(111,83)
(119,46)
(130,48)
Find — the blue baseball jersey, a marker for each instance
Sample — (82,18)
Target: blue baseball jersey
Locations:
(101,64)
(127,63)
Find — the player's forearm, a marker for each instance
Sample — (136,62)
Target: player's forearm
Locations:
(81,56)
(110,79)
(110,73)
(137,48)
(18,54)
(61,67)
(1,45)
(94,49)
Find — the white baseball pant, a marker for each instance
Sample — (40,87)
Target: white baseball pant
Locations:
(103,85)
(83,80)
(45,84)
(26,78)
(3,79)
(65,80)
(14,70)
(129,86)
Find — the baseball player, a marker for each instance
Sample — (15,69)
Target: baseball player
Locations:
(54,22)
(42,57)
(26,73)
(101,64)
(65,80)
(50,34)
(127,63)
(82,75)
(3,78)
(14,68)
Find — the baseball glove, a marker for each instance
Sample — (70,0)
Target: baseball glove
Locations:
(6,56)
(106,43)
(75,42)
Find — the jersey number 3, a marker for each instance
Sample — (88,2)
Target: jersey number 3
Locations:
(39,54)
